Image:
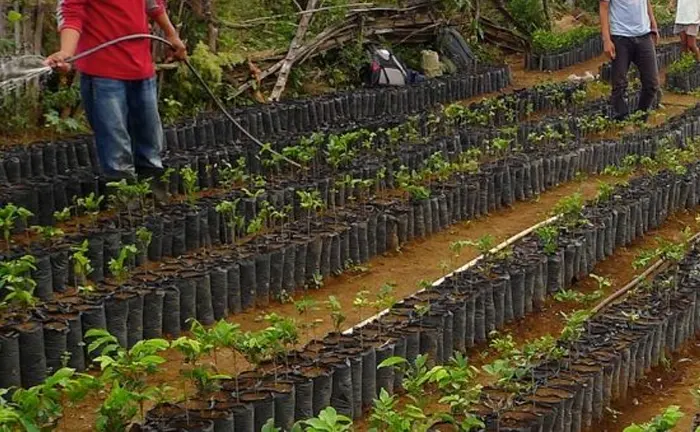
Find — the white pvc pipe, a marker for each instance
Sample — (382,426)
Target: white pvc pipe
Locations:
(636,281)
(468,265)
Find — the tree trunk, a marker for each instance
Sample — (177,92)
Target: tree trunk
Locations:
(3,15)
(545,10)
(39,27)
(289,60)
(508,16)
(212,32)
(18,30)
(29,13)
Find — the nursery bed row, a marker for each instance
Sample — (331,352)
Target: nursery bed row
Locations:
(212,227)
(276,121)
(209,286)
(586,50)
(552,61)
(212,285)
(341,371)
(686,81)
(612,354)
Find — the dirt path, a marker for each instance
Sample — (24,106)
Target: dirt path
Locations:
(418,261)
(549,321)
(666,385)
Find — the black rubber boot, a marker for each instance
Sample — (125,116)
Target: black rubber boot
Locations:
(160,194)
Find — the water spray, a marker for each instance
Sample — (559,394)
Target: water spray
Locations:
(13,74)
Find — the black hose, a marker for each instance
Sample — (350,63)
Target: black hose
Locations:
(196,73)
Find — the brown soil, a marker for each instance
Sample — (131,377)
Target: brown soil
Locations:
(549,320)
(664,386)
(416,262)
(618,268)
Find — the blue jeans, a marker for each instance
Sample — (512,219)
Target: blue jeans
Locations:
(128,132)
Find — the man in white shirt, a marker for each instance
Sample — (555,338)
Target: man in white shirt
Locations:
(629,36)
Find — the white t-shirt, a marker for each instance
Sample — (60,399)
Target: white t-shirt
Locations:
(629,18)
(688,12)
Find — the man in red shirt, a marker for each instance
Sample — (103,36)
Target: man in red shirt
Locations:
(118,84)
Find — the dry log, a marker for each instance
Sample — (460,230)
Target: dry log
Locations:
(291,55)
(3,14)
(39,27)
(409,22)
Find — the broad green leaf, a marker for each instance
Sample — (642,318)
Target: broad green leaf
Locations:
(14,17)
(392,361)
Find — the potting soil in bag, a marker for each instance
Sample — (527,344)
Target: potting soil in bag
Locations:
(342,394)
(55,343)
(134,323)
(9,359)
(32,353)
(153,318)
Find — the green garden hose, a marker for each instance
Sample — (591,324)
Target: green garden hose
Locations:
(216,100)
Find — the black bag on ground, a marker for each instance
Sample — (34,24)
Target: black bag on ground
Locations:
(452,45)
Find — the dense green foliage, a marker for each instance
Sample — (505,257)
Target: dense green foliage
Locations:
(683,65)
(545,41)
(529,14)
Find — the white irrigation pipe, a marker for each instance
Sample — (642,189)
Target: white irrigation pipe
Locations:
(636,281)
(468,265)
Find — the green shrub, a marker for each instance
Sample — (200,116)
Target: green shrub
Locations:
(529,14)
(683,65)
(544,41)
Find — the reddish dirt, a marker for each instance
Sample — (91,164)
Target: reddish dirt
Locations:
(662,387)
(549,320)
(618,268)
(418,261)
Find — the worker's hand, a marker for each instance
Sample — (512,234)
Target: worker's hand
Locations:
(58,61)
(179,50)
(655,37)
(609,48)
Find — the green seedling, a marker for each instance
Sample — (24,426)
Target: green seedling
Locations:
(16,279)
(119,266)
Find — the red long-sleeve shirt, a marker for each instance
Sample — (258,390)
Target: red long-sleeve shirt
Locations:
(99,21)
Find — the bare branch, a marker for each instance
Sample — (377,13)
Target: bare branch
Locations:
(291,54)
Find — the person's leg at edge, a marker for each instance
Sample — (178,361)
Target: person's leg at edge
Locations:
(620,67)
(692,41)
(645,59)
(146,131)
(684,41)
(105,103)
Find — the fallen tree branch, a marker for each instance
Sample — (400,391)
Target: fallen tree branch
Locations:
(324,35)
(291,57)
(406,21)
(263,20)
(503,37)
(508,16)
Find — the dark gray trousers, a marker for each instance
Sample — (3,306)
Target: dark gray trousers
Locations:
(640,51)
